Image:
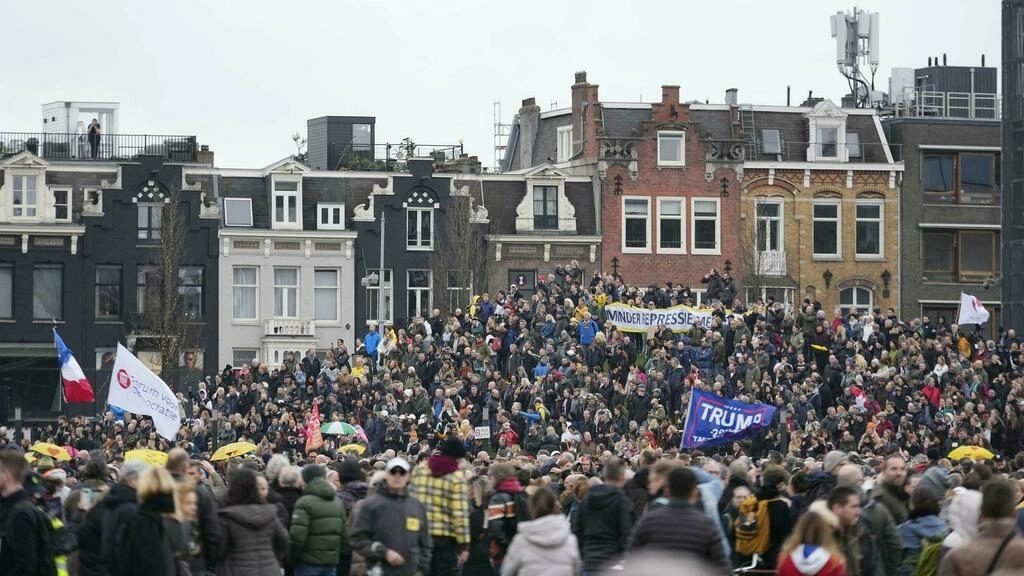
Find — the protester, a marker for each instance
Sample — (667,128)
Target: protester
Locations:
(318,534)
(811,550)
(544,546)
(20,550)
(998,546)
(390,530)
(96,535)
(253,541)
(660,528)
(923,525)
(605,520)
(506,508)
(442,488)
(146,546)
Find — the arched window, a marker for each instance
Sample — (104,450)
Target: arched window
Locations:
(855,298)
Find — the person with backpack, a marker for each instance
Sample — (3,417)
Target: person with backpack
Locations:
(998,546)
(99,529)
(764,521)
(505,509)
(23,551)
(924,530)
(659,528)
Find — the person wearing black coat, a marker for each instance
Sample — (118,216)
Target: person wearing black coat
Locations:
(146,548)
(604,519)
(96,534)
(479,562)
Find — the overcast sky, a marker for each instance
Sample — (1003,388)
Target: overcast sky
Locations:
(244,76)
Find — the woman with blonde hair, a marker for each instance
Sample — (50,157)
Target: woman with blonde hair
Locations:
(811,549)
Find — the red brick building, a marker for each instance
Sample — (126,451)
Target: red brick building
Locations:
(665,172)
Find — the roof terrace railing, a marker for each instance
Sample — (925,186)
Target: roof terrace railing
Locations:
(109,147)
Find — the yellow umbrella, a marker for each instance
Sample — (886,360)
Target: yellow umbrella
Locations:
(51,450)
(31,458)
(972,452)
(151,457)
(232,450)
(357,448)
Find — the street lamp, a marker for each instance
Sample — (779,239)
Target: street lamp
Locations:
(886,277)
(728,266)
(827,277)
(615,265)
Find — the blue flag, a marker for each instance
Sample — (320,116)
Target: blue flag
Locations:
(713,420)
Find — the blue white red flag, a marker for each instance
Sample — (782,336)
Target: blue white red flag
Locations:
(76,386)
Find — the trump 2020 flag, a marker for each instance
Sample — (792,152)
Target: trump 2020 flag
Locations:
(76,385)
(135,388)
(712,420)
(971,310)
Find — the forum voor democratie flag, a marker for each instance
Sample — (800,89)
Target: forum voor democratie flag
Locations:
(713,420)
(971,310)
(135,388)
(76,385)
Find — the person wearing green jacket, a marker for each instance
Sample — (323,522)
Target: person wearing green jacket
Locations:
(318,533)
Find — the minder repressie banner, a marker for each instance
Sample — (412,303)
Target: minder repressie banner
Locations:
(634,319)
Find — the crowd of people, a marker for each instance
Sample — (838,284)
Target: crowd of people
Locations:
(526,434)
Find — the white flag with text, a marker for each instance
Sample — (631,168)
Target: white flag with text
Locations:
(135,388)
(971,310)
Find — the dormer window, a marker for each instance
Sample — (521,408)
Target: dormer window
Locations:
(671,148)
(238,212)
(287,204)
(828,142)
(25,199)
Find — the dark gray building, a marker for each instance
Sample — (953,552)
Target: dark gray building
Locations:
(332,139)
(949,214)
(1013,163)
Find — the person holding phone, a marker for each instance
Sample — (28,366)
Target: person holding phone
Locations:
(95,132)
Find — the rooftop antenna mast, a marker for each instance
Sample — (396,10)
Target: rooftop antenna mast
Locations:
(501,132)
(857,38)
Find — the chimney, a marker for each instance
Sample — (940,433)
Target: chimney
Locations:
(204,155)
(811,101)
(585,104)
(732,96)
(943,58)
(982,60)
(670,94)
(849,101)
(529,122)
(929,61)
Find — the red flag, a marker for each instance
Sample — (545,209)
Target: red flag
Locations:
(314,439)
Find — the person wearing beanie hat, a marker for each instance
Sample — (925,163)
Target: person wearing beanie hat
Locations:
(936,481)
(353,486)
(834,459)
(441,486)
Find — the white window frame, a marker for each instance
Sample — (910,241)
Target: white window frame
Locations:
(385,281)
(7,307)
(324,216)
(838,255)
(819,152)
(248,208)
(563,144)
(255,287)
(419,244)
(881,229)
(25,207)
(281,292)
(681,135)
(776,221)
(153,235)
(281,221)
(421,293)
(66,204)
(60,304)
(718,227)
(456,292)
(646,249)
(336,289)
(845,307)
(681,218)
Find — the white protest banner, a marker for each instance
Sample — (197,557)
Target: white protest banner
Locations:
(482,432)
(634,319)
(135,388)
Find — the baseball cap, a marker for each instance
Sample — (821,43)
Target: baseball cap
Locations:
(397,462)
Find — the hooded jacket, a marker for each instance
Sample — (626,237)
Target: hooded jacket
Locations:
(318,532)
(602,525)
(253,541)
(389,521)
(963,512)
(543,547)
(913,533)
(98,528)
(809,560)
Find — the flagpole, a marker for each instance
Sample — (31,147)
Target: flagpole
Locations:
(60,378)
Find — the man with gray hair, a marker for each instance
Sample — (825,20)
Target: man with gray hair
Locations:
(881,551)
(97,536)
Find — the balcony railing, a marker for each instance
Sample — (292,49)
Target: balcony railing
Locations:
(786,151)
(771,263)
(931,104)
(389,157)
(111,146)
(289,327)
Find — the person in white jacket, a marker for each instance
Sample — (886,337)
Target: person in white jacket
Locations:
(544,546)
